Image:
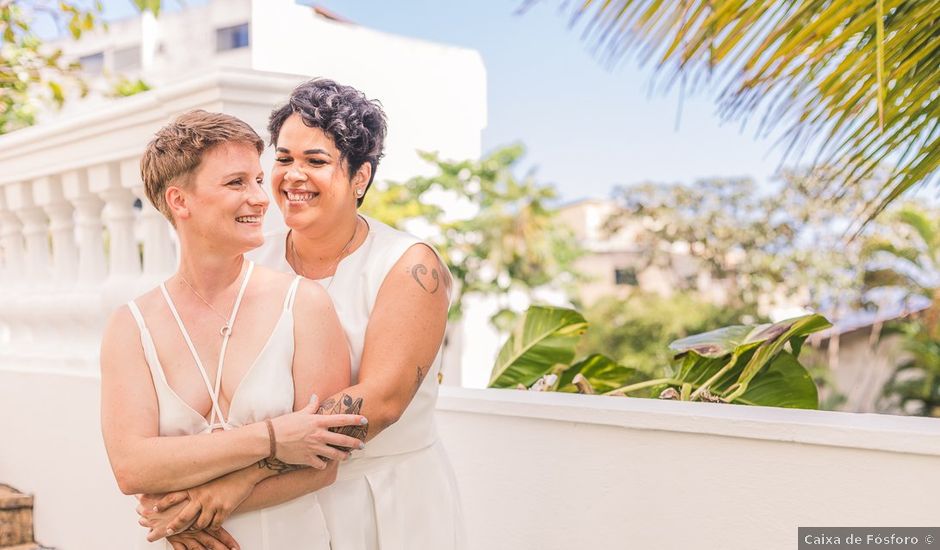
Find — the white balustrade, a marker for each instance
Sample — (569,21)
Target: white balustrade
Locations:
(11,245)
(48,194)
(73,246)
(89,229)
(159,254)
(119,217)
(35,227)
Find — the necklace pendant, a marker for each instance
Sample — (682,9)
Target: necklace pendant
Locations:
(225,331)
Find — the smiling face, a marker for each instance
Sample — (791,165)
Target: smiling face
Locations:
(310,180)
(225,201)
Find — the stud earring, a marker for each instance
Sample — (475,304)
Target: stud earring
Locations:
(360,192)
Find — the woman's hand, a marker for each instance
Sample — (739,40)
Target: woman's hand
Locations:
(204,507)
(204,540)
(157,519)
(304,437)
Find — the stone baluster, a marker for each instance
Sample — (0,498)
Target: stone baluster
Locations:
(89,228)
(159,254)
(11,246)
(49,195)
(118,216)
(35,231)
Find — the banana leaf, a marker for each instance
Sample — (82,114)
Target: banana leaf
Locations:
(785,383)
(545,337)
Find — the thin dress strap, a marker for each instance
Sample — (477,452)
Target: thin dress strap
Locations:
(291,294)
(213,393)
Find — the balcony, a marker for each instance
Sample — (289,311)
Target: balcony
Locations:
(536,470)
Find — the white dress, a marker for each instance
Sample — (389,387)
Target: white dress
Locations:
(266,391)
(400,492)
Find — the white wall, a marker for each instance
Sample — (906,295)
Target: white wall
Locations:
(548,471)
(558,471)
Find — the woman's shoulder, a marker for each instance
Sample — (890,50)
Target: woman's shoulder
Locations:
(386,234)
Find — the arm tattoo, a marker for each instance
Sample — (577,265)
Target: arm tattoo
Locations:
(419,377)
(279,466)
(421,269)
(346,404)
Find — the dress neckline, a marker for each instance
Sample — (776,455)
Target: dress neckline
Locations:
(370,233)
(214,391)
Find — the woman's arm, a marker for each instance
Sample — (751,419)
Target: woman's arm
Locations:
(321,364)
(403,337)
(143,462)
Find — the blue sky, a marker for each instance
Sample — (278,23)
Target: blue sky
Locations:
(586,128)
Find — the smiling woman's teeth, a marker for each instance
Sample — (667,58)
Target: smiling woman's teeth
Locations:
(248,219)
(300,196)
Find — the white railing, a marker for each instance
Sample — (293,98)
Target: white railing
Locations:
(77,234)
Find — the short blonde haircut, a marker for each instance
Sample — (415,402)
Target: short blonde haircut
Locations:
(177,149)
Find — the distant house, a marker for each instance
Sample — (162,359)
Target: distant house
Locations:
(861,357)
(618,262)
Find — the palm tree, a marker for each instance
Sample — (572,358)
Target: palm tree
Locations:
(857,79)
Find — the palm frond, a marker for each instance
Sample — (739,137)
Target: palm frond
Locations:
(857,80)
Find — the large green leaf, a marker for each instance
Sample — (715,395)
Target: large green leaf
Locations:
(603,373)
(726,361)
(545,337)
(774,337)
(715,343)
(785,383)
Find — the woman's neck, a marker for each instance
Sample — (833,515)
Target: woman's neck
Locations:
(210,274)
(319,251)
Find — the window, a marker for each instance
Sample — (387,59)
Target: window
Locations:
(231,38)
(127,59)
(92,64)
(625,276)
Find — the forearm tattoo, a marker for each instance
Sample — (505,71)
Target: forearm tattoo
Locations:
(345,404)
(280,466)
(420,272)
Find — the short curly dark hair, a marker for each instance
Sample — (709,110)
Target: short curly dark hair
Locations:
(356,123)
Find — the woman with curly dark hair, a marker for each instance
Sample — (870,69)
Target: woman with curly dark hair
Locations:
(392,293)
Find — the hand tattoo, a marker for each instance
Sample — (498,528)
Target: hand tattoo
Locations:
(279,466)
(421,269)
(346,404)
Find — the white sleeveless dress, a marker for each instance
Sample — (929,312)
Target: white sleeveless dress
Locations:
(266,391)
(400,492)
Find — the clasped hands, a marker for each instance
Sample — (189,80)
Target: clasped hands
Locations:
(192,519)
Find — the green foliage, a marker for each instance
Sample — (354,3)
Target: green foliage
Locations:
(511,243)
(546,336)
(744,364)
(636,330)
(859,78)
(125,87)
(914,386)
(908,257)
(32,75)
(789,240)
(907,261)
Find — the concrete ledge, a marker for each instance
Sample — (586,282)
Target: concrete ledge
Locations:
(834,429)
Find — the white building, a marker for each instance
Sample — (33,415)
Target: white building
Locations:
(434,94)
